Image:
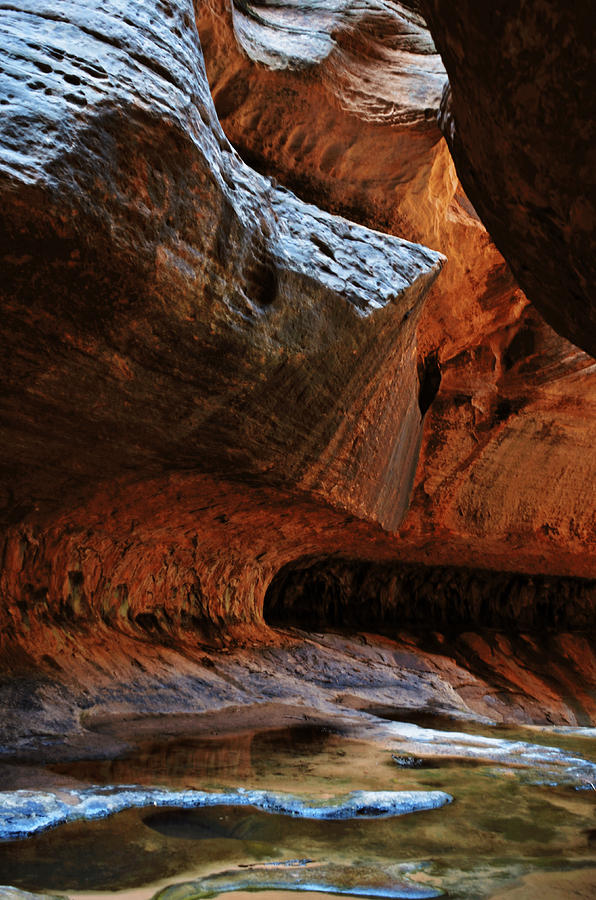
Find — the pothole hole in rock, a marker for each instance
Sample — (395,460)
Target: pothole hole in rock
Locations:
(330,594)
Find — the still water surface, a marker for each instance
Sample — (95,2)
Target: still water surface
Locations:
(499,828)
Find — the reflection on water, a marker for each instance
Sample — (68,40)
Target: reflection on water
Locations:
(499,827)
(192,761)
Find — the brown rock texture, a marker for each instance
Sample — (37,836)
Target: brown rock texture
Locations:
(508,458)
(520,121)
(516,407)
(206,379)
(168,312)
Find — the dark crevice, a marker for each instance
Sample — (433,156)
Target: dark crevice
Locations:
(343,594)
(429,379)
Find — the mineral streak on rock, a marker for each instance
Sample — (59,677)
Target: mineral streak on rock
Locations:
(520,121)
(517,403)
(169,312)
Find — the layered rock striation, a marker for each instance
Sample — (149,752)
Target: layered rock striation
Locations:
(206,379)
(516,409)
(188,349)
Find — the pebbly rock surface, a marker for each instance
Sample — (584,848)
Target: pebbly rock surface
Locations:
(516,403)
(174,322)
(520,122)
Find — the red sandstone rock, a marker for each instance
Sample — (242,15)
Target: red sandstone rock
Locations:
(167,310)
(516,408)
(206,379)
(508,458)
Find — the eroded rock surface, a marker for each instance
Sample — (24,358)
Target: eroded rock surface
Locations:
(516,408)
(73,693)
(169,312)
(206,378)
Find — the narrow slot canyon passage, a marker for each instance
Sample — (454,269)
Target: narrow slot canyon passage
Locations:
(297,528)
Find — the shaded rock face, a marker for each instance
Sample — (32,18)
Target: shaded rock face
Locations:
(516,407)
(168,313)
(519,119)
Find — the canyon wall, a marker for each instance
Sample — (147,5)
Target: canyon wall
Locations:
(186,345)
(520,118)
(205,377)
(507,457)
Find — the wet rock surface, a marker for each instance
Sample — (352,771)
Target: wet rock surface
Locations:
(524,679)
(26,812)
(530,817)
(12,893)
(331,879)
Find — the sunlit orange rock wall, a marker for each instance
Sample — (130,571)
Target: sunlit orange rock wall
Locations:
(507,462)
(186,346)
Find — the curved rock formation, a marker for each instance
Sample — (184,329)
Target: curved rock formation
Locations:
(174,321)
(355,129)
(205,378)
(516,407)
(520,121)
